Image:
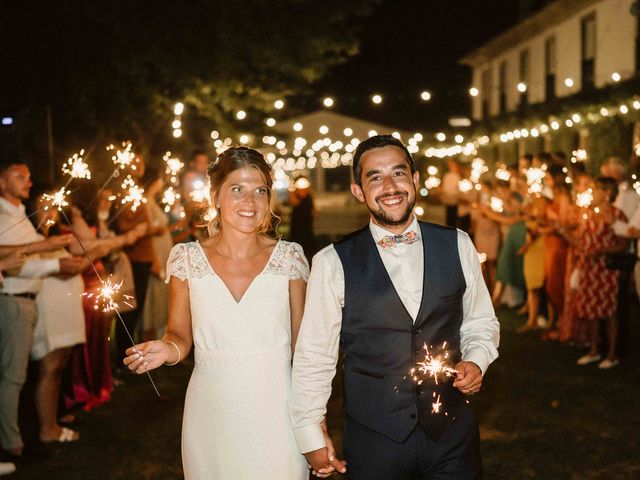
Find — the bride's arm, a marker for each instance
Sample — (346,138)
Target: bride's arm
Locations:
(297,293)
(179,328)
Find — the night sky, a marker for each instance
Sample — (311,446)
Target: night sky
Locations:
(414,45)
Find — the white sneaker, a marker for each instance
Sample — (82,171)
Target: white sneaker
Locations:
(6,468)
(541,321)
(607,364)
(587,359)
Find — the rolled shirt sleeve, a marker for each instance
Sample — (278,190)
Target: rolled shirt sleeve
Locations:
(317,349)
(480,330)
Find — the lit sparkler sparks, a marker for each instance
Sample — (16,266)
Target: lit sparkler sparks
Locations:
(76,166)
(201,192)
(465,185)
(169,198)
(56,200)
(502,173)
(437,405)
(585,198)
(134,194)
(478,167)
(534,179)
(173,166)
(123,156)
(434,367)
(104,297)
(496,204)
(579,155)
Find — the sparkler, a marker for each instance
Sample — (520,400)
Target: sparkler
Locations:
(104,298)
(56,200)
(585,198)
(124,156)
(169,198)
(478,167)
(465,185)
(496,204)
(76,167)
(579,155)
(434,367)
(201,192)
(134,194)
(503,174)
(534,179)
(106,293)
(173,166)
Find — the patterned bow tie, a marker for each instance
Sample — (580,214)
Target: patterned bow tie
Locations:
(393,240)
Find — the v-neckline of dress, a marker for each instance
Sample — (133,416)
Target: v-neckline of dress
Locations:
(244,294)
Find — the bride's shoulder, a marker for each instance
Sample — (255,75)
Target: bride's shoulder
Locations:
(186,260)
(289,259)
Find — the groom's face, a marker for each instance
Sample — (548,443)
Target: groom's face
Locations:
(388,187)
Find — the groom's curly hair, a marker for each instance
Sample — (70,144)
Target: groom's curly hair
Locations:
(378,141)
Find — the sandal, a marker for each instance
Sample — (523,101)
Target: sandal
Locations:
(66,435)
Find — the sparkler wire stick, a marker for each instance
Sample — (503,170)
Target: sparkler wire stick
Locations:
(19,222)
(86,254)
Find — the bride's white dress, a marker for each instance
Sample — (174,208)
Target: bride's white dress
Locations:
(236,424)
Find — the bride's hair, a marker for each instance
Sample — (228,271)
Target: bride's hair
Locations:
(229,161)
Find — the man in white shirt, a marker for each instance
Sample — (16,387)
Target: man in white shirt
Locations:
(380,295)
(17,295)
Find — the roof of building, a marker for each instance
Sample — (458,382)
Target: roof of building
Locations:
(544,19)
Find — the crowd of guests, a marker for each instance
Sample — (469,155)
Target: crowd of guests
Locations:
(54,265)
(559,244)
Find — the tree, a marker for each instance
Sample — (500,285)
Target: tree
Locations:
(112,70)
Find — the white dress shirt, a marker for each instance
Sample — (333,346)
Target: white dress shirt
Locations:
(317,347)
(628,201)
(16,229)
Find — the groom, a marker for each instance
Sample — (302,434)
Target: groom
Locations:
(380,295)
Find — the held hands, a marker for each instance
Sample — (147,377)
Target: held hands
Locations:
(147,356)
(469,378)
(14,260)
(72,266)
(323,462)
(137,232)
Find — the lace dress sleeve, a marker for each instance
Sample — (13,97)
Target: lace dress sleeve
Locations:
(297,263)
(178,265)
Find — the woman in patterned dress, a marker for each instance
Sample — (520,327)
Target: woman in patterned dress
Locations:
(598,285)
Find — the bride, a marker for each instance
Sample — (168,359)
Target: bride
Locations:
(238,298)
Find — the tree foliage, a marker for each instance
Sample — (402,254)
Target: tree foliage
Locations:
(114,69)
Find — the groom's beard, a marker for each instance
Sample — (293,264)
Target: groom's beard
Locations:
(383,219)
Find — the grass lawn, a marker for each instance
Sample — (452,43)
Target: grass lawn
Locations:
(541,416)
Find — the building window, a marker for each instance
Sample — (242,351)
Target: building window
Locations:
(485,89)
(550,68)
(525,70)
(502,86)
(588,51)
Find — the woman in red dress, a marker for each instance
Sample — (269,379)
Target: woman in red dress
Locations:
(598,285)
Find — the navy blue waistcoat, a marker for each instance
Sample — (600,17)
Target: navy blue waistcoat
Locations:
(381,343)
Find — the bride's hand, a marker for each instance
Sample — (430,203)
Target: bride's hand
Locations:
(146,356)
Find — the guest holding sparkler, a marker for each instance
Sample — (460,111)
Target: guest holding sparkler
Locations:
(367,294)
(556,247)
(18,309)
(598,285)
(237,298)
(510,266)
(91,381)
(533,252)
(486,231)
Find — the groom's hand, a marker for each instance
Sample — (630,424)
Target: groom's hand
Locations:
(324,464)
(469,378)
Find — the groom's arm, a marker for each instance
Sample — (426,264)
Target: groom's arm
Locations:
(480,330)
(314,364)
